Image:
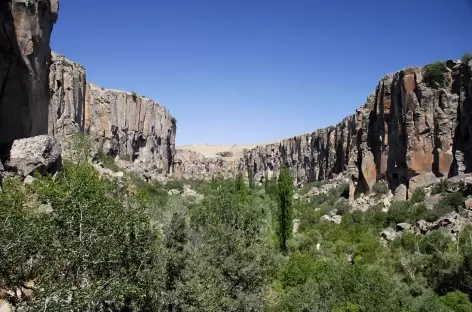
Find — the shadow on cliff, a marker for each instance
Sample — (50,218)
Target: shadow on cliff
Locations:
(15,115)
(462,142)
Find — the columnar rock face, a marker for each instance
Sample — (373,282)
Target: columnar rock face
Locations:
(122,123)
(311,157)
(405,129)
(24,62)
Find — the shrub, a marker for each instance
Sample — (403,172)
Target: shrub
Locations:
(418,196)
(380,188)
(433,74)
(108,161)
(457,301)
(466,58)
(440,187)
(399,212)
(174,184)
(448,203)
(134,95)
(342,206)
(80,148)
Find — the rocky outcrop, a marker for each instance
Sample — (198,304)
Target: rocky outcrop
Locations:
(194,165)
(25,32)
(311,157)
(405,129)
(41,153)
(121,123)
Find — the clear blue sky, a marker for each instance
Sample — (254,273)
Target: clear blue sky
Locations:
(252,71)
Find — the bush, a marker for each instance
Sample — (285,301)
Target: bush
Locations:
(108,161)
(134,95)
(174,185)
(95,248)
(450,202)
(342,207)
(399,212)
(380,188)
(457,301)
(466,58)
(433,75)
(440,187)
(418,196)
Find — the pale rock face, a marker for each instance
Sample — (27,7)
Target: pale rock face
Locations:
(41,153)
(121,123)
(24,62)
(191,164)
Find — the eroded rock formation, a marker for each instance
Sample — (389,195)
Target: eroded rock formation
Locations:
(25,32)
(122,123)
(405,130)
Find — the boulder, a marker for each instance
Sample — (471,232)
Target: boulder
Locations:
(313,192)
(401,193)
(403,226)
(333,219)
(422,180)
(5,306)
(389,234)
(296,226)
(40,153)
(422,227)
(173,192)
(431,201)
(468,203)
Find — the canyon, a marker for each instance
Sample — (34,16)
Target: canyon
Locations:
(407,128)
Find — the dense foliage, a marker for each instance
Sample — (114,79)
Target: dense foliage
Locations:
(90,244)
(434,75)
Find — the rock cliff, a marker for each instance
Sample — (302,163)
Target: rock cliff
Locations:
(406,130)
(25,32)
(121,123)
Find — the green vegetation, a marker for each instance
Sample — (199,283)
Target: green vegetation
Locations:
(284,216)
(90,244)
(440,187)
(134,95)
(434,75)
(108,161)
(380,188)
(418,196)
(466,58)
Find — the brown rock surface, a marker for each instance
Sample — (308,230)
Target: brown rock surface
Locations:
(404,130)
(24,63)
(125,124)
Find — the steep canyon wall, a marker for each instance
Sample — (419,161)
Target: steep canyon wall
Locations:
(406,128)
(25,31)
(121,123)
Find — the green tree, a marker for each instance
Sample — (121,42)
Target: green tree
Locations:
(174,242)
(270,185)
(284,217)
(433,75)
(80,148)
(250,172)
(240,186)
(457,301)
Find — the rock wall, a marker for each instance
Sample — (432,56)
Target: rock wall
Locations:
(405,130)
(191,164)
(311,157)
(125,124)
(25,32)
